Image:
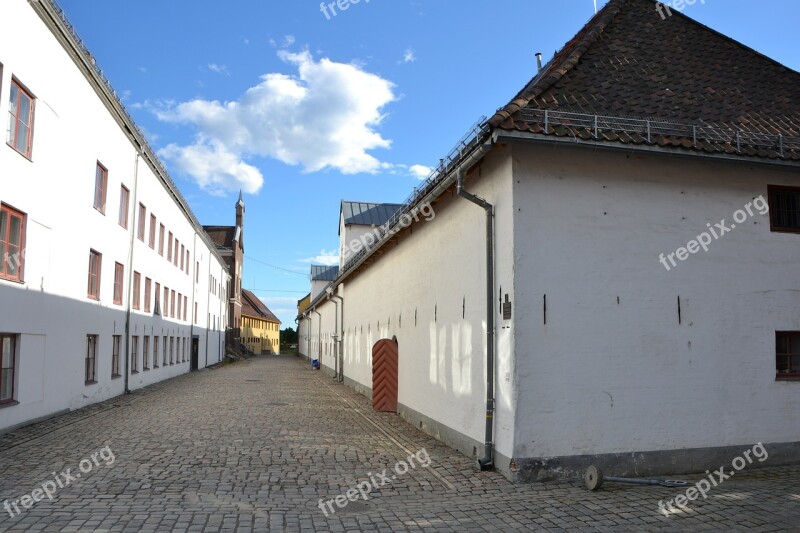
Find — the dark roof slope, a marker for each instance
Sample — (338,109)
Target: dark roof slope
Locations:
(629,62)
(324,272)
(252,306)
(222,236)
(367,214)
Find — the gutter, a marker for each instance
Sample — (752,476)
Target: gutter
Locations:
(487,461)
(341,342)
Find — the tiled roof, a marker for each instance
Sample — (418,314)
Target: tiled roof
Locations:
(222,236)
(698,88)
(324,272)
(252,306)
(367,214)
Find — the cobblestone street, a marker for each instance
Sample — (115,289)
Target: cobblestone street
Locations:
(254,446)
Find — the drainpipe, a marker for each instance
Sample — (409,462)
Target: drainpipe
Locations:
(336,343)
(341,341)
(133,222)
(487,461)
(319,338)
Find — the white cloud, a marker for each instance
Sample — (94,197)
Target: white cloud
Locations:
(325,257)
(324,117)
(420,171)
(408,56)
(219,69)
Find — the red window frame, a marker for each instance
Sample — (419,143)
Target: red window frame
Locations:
(8,364)
(147,289)
(95,268)
(787,353)
(100,187)
(7,256)
(91,359)
(161,239)
(116,343)
(185,305)
(152,242)
(172,304)
(776,206)
(165,311)
(180,302)
(135,354)
(119,282)
(188,261)
(15,122)
(183,257)
(124,201)
(175,255)
(137,281)
(169,247)
(142,221)
(157,299)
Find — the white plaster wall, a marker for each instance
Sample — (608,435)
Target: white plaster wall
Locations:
(442,359)
(603,376)
(73,130)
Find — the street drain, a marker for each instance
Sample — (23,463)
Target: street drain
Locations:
(355,507)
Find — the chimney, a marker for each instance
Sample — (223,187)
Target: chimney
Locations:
(539,61)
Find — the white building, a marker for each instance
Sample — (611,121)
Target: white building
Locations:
(108,282)
(590,294)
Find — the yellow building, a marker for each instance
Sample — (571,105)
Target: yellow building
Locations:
(260,329)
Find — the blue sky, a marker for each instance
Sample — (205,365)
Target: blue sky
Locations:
(302,110)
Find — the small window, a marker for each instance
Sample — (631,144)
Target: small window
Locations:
(171,350)
(152,231)
(116,341)
(100,183)
(197,272)
(787,354)
(165,312)
(20,120)
(124,199)
(119,274)
(161,239)
(784,208)
(141,222)
(155,351)
(137,281)
(175,255)
(12,243)
(195,312)
(180,302)
(95,262)
(134,354)
(183,257)
(146,352)
(185,306)
(91,359)
(172,304)
(157,302)
(164,360)
(8,364)
(169,247)
(147,289)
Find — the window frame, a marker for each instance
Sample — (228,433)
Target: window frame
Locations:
(157,299)
(21,89)
(5,239)
(90,362)
(773,211)
(152,238)
(137,289)
(119,283)
(116,345)
(161,230)
(155,351)
(98,263)
(172,304)
(145,352)
(124,212)
(13,368)
(148,286)
(134,354)
(787,376)
(141,223)
(101,175)
(169,248)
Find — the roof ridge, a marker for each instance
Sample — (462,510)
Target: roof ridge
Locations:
(564,60)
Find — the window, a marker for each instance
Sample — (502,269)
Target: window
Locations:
(146,352)
(169,247)
(187,262)
(119,273)
(134,354)
(147,284)
(100,182)
(787,354)
(141,222)
(166,301)
(180,301)
(784,208)
(195,312)
(155,351)
(157,303)
(185,306)
(183,257)
(20,120)
(137,280)
(12,243)
(165,351)
(95,261)
(197,272)
(153,231)
(161,239)
(175,255)
(124,196)
(171,349)
(91,359)
(116,340)
(8,359)
(172,304)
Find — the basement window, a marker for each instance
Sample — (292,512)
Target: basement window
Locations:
(787,355)
(784,208)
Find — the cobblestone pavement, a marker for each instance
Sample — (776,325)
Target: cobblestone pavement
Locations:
(254,447)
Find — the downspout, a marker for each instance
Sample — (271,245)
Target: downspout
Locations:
(341,341)
(336,344)
(487,461)
(132,242)
(208,306)
(319,338)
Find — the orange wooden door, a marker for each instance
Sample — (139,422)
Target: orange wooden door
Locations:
(384,376)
